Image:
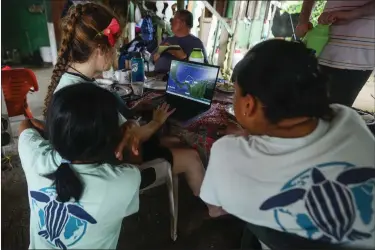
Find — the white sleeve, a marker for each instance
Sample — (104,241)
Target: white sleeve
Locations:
(36,153)
(209,190)
(133,206)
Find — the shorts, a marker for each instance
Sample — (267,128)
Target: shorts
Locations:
(152,150)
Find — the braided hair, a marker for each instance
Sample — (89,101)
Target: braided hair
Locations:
(81,29)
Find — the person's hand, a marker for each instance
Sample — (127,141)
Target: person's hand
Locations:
(336,17)
(326,18)
(179,54)
(130,139)
(162,113)
(303,28)
(129,124)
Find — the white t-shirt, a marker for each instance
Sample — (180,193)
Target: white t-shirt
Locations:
(352,44)
(321,186)
(68,79)
(110,194)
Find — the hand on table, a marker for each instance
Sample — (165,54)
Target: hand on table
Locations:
(162,113)
(134,135)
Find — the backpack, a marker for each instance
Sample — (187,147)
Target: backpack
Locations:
(147,29)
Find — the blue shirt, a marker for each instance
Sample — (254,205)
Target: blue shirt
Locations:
(187,43)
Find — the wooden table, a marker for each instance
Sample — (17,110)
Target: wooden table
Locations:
(200,132)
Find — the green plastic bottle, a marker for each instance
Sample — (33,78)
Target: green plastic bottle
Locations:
(196,56)
(317,38)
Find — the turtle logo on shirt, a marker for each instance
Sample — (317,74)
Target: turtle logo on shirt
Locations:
(61,224)
(339,209)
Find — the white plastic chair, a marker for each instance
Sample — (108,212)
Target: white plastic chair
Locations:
(164,175)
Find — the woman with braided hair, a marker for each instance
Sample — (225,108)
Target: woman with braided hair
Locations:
(89,34)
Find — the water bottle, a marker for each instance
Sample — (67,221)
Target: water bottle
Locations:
(137,73)
(196,56)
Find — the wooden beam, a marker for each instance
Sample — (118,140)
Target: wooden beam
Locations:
(180,4)
(223,44)
(219,18)
(234,24)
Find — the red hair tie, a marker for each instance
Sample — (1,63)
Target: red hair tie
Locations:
(111,31)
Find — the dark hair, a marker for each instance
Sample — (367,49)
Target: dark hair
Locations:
(186,16)
(285,77)
(81,29)
(82,125)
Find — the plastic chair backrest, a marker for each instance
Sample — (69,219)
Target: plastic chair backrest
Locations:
(16,83)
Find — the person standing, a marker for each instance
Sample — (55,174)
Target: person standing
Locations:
(349,57)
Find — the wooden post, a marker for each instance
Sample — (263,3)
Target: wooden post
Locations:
(230,53)
(180,4)
(197,12)
(223,43)
(230,8)
(191,5)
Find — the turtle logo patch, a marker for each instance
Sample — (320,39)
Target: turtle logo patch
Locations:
(61,224)
(336,209)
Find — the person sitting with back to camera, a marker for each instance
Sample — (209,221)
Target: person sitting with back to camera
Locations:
(182,23)
(304,167)
(74,190)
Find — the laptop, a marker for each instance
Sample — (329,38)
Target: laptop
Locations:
(190,88)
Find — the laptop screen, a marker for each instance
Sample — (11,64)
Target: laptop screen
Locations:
(192,81)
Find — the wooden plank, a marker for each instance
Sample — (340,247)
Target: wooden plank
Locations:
(180,4)
(220,18)
(223,43)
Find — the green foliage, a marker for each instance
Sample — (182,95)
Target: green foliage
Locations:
(197,90)
(318,9)
(296,6)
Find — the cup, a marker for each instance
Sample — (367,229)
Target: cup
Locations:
(120,76)
(137,88)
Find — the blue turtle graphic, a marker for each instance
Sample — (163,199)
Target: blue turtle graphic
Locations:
(56,216)
(329,203)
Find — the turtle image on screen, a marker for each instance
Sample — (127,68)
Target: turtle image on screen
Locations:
(195,81)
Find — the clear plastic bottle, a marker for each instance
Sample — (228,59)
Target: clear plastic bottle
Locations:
(137,73)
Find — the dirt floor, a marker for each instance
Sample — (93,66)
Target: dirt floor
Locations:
(148,229)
